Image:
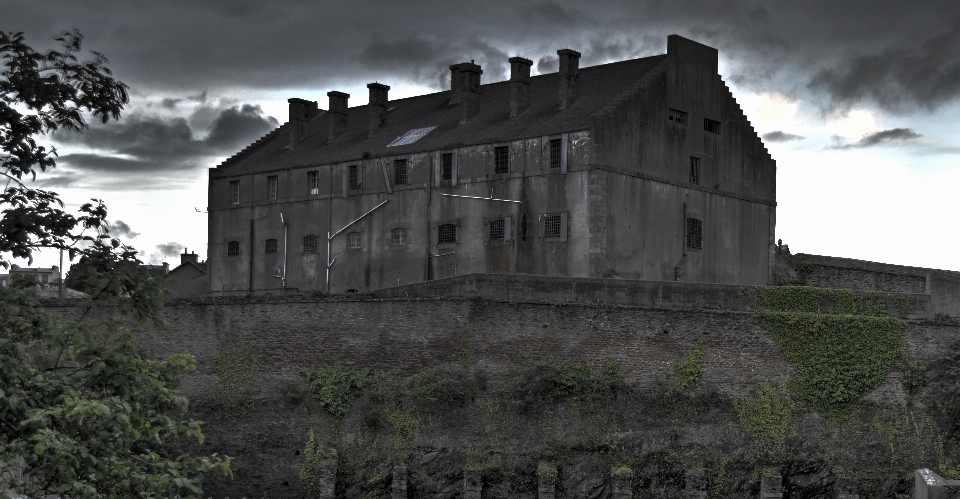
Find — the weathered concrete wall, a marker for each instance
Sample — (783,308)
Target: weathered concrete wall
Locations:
(847,273)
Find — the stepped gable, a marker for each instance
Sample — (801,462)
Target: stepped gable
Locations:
(598,84)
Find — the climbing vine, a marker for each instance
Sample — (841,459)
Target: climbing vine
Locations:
(315,458)
(547,472)
(689,370)
(238,383)
(404,423)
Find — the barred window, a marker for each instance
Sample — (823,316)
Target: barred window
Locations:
(694,170)
(711,126)
(497,229)
(235,192)
(551,225)
(400,172)
(677,116)
(353,240)
(398,236)
(501,159)
(446,233)
(354,177)
(233,248)
(446,166)
(555,152)
(310,244)
(312,183)
(271,246)
(694,233)
(272,183)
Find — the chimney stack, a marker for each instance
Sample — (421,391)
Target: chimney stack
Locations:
(377,106)
(338,114)
(456,82)
(301,111)
(188,257)
(469,90)
(519,85)
(569,77)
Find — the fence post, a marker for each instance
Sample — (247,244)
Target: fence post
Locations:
(930,485)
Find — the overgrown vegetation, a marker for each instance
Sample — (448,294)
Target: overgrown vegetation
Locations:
(335,388)
(316,458)
(689,370)
(765,415)
(238,377)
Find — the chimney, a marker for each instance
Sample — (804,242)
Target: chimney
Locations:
(519,85)
(456,81)
(569,77)
(188,257)
(301,111)
(338,114)
(377,106)
(693,53)
(469,90)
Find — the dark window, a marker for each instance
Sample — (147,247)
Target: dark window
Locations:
(678,117)
(353,240)
(271,246)
(556,150)
(312,182)
(501,159)
(446,233)
(272,183)
(551,225)
(310,244)
(45,278)
(711,126)
(233,248)
(694,233)
(497,229)
(399,172)
(398,237)
(235,192)
(694,170)
(446,166)
(354,177)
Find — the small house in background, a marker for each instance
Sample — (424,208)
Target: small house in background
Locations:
(189,278)
(47,279)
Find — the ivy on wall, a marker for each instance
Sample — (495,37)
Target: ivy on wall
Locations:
(238,372)
(689,370)
(315,457)
(335,387)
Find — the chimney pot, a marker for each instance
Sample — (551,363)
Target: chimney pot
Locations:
(338,114)
(569,77)
(519,85)
(301,111)
(377,106)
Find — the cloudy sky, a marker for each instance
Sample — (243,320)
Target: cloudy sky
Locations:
(857,100)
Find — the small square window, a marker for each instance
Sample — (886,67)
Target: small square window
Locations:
(501,159)
(711,126)
(446,233)
(312,183)
(233,248)
(446,166)
(555,152)
(272,182)
(398,236)
(694,233)
(497,227)
(694,170)
(353,240)
(270,246)
(235,192)
(400,172)
(677,116)
(354,177)
(551,225)
(310,244)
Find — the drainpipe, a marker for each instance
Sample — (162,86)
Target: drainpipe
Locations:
(329,224)
(252,212)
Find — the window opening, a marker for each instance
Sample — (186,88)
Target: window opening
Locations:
(446,233)
(399,172)
(497,229)
(45,278)
(711,126)
(353,240)
(272,182)
(694,170)
(354,177)
(446,166)
(235,192)
(233,248)
(694,233)
(551,225)
(501,159)
(555,151)
(398,236)
(310,244)
(312,182)
(271,246)
(677,116)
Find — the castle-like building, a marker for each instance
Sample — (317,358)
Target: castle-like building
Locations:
(644,169)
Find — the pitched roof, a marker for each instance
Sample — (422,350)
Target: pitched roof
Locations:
(598,86)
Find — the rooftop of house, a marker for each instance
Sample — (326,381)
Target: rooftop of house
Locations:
(598,86)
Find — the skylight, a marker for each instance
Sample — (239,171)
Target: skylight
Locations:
(411,136)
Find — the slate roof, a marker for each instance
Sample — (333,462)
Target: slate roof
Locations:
(599,86)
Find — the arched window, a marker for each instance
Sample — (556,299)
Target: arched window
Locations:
(271,246)
(233,248)
(446,233)
(353,240)
(310,244)
(398,236)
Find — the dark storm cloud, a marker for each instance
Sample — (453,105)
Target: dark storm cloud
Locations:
(170,249)
(779,136)
(894,135)
(120,228)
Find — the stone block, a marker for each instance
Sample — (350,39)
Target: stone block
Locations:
(327,480)
(929,485)
(472,484)
(399,485)
(622,478)
(771,486)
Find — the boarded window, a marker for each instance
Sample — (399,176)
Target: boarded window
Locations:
(272,186)
(694,170)
(677,116)
(310,244)
(400,172)
(233,248)
(552,225)
(235,192)
(694,233)
(556,149)
(312,183)
(354,177)
(353,240)
(497,229)
(446,233)
(446,166)
(501,159)
(271,246)
(398,236)
(711,126)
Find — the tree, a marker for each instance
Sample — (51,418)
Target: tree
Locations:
(83,412)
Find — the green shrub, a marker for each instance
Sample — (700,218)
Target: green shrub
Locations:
(446,387)
(335,387)
(689,370)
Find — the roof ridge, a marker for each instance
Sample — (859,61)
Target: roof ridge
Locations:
(254,146)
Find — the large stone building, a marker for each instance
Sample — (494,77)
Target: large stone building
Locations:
(643,169)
